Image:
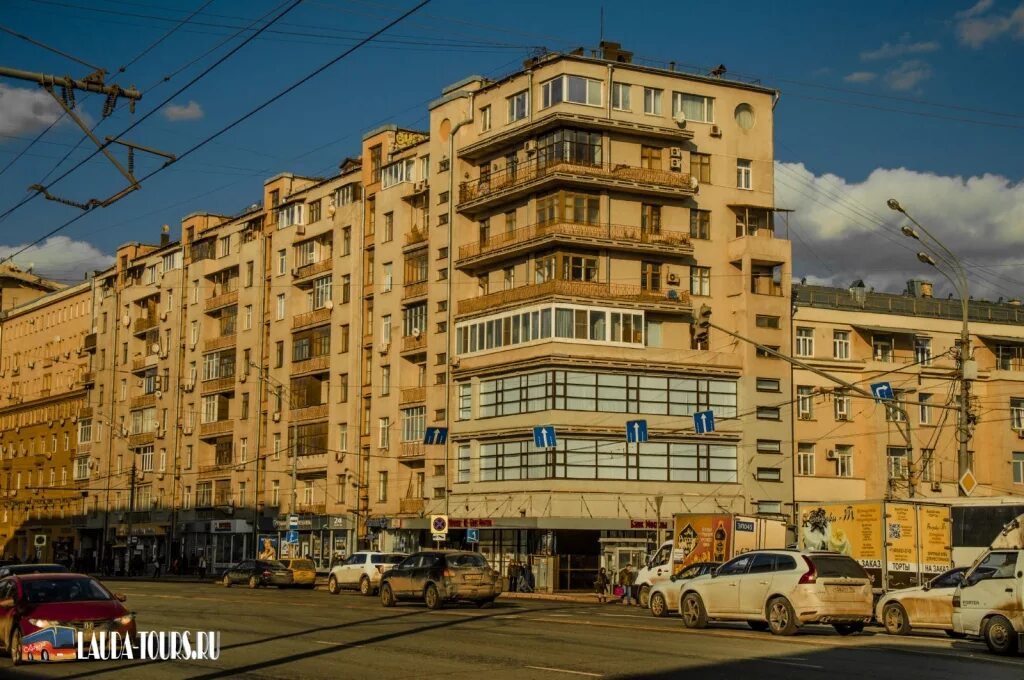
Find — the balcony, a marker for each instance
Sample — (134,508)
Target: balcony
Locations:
(412,450)
(141,439)
(218,470)
(89,344)
(413,394)
(620,237)
(525,178)
(218,385)
(413,343)
(765,285)
(309,270)
(88,378)
(222,342)
(141,363)
(588,291)
(144,324)
(312,508)
(313,365)
(414,290)
(222,300)
(143,401)
(314,318)
(84,448)
(411,506)
(415,238)
(216,428)
(85,412)
(309,413)
(316,461)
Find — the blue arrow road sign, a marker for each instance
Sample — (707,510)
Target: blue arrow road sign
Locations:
(291,537)
(882,391)
(435,435)
(636,431)
(544,437)
(472,535)
(704,421)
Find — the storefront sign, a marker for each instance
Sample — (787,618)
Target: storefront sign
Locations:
(338,522)
(464,523)
(222,526)
(230,526)
(378,523)
(647,524)
(304,524)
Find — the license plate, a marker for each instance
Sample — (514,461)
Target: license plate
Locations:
(471,577)
(841,589)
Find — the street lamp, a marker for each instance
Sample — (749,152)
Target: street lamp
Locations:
(954,272)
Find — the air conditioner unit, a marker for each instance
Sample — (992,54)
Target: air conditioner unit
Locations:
(384,347)
(31,364)
(455,362)
(67,355)
(163,315)
(277,416)
(675,152)
(937,487)
(300,229)
(805,416)
(675,164)
(530,146)
(243,377)
(419,186)
(188,387)
(716,131)
(673,279)
(830,455)
(295,272)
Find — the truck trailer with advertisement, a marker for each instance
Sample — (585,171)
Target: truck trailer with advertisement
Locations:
(899,543)
(707,537)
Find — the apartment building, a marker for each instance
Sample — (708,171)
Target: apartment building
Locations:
(850,448)
(18,287)
(44,345)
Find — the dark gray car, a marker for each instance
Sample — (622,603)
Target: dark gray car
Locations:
(256,573)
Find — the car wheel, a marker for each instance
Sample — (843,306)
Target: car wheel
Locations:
(364,586)
(781,617)
(387,598)
(44,655)
(658,605)
(432,598)
(955,635)
(254,582)
(895,619)
(645,596)
(14,646)
(332,585)
(759,626)
(1000,636)
(226,581)
(848,628)
(693,611)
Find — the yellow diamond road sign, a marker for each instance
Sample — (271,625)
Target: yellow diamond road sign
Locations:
(968,482)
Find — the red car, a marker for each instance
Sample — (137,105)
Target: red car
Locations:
(37,602)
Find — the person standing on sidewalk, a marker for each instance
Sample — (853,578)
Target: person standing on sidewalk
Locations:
(202,566)
(601,585)
(626,577)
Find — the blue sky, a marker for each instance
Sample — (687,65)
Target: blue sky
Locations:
(919,99)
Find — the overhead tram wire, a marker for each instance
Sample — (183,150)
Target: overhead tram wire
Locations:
(50,48)
(237,121)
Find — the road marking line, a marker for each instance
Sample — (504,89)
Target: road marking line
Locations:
(624,616)
(559,614)
(798,665)
(565,670)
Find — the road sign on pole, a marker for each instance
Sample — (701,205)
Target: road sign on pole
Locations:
(292,536)
(439,527)
(882,391)
(544,437)
(636,431)
(472,535)
(704,422)
(293,521)
(435,435)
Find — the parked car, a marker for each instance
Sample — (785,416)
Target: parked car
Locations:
(362,570)
(303,571)
(781,590)
(664,596)
(929,606)
(258,573)
(440,576)
(12,569)
(988,602)
(32,604)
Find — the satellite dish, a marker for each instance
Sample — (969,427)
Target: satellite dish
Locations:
(126,320)
(155,348)
(158,394)
(694,184)
(329,304)
(680,119)
(673,294)
(415,332)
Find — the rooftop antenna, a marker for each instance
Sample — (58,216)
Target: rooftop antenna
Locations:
(601,37)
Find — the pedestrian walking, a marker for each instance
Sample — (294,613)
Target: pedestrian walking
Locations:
(601,585)
(626,578)
(202,566)
(156,567)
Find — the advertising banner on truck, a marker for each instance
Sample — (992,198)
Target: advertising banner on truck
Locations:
(901,545)
(700,538)
(935,525)
(853,529)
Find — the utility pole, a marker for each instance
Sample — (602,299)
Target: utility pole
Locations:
(131,509)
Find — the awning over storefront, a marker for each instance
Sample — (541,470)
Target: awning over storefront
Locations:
(1003,339)
(148,529)
(887,330)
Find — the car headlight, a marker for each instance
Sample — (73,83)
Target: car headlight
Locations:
(42,623)
(125,620)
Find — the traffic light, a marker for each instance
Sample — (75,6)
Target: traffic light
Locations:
(703,323)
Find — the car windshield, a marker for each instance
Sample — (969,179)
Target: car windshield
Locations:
(386,559)
(466,560)
(272,565)
(34,569)
(64,590)
(303,564)
(831,566)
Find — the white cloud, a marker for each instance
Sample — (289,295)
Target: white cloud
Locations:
(978,218)
(860,77)
(974,10)
(60,257)
(974,30)
(191,111)
(901,48)
(908,75)
(25,110)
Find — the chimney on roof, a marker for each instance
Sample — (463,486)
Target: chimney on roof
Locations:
(165,235)
(612,51)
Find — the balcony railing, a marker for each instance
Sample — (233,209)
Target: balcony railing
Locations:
(140,363)
(141,439)
(415,236)
(411,290)
(85,412)
(143,401)
(218,385)
(144,324)
(89,344)
(601,234)
(765,285)
(84,447)
(411,506)
(312,508)
(222,300)
(504,181)
(222,342)
(321,315)
(214,470)
(413,394)
(412,450)
(217,427)
(412,343)
(309,412)
(320,363)
(313,461)
(88,377)
(582,289)
(313,269)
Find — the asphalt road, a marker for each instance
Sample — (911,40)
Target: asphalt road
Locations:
(311,634)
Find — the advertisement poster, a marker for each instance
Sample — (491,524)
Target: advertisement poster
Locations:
(700,538)
(853,529)
(267,548)
(934,526)
(901,545)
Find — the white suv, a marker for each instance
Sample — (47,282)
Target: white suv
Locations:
(361,570)
(781,590)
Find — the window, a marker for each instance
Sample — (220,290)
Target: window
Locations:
(385,381)
(650,157)
(805,402)
(700,167)
(568,145)
(769,474)
(384,432)
(464,461)
(1018,467)
(841,344)
(620,96)
(517,105)
(573,89)
(805,460)
(1017,413)
(414,319)
(485,119)
(769,385)
(375,163)
(346,288)
(650,218)
(769,446)
(282,262)
(694,106)
(414,422)
(844,460)
(650,276)
(275,493)
(881,348)
(897,462)
(924,408)
(896,412)
(314,211)
(768,413)
(280,306)
(320,294)
(744,177)
(841,405)
(382,486)
(926,467)
(744,115)
(700,223)
(290,215)
(923,351)
(652,101)
(346,241)
(342,388)
(396,173)
(279,354)
(700,280)
(805,342)
(465,401)
(1009,357)
(764,321)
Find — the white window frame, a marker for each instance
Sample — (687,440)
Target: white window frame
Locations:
(844,460)
(804,341)
(805,460)
(518,106)
(557,91)
(805,402)
(744,174)
(840,344)
(652,101)
(703,107)
(620,96)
